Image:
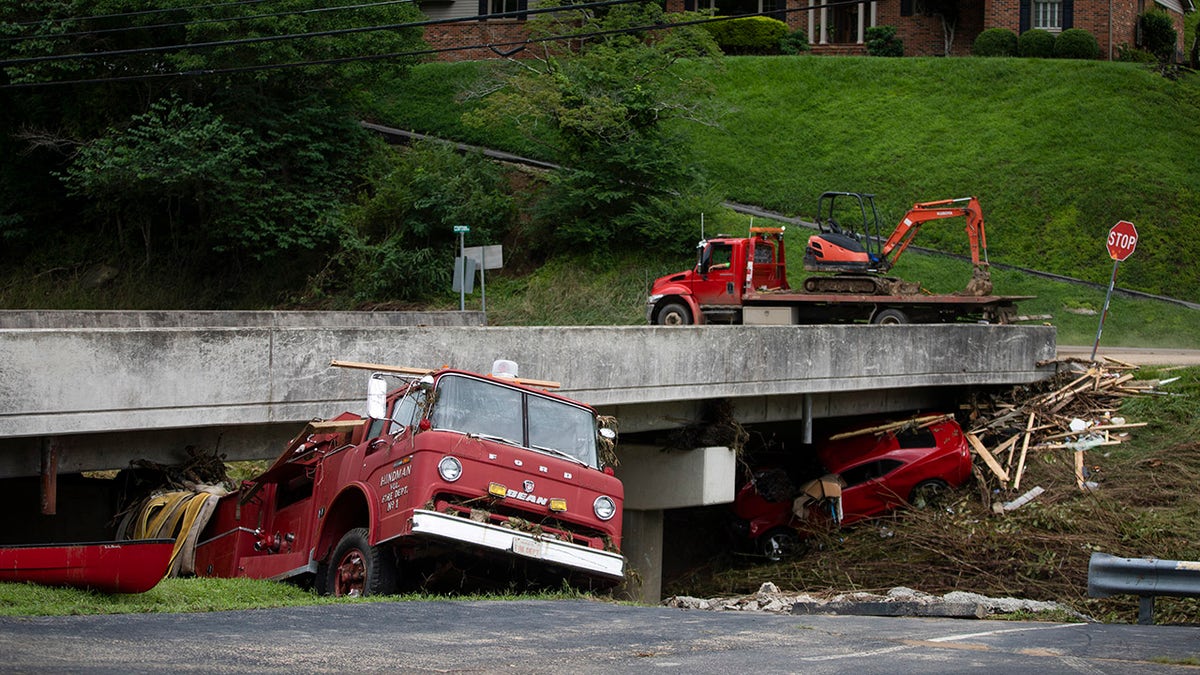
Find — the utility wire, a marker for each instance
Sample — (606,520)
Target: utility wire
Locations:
(197,22)
(142,12)
(296,36)
(494,46)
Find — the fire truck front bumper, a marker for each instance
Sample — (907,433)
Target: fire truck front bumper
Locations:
(582,558)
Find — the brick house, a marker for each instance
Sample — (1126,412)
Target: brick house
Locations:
(838,27)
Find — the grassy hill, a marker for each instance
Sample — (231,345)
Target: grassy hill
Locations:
(1057,151)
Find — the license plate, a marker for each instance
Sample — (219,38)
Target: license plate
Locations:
(526,547)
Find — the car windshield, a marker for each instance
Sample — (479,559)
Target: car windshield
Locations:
(491,409)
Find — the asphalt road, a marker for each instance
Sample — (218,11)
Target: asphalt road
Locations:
(579,637)
(1138,356)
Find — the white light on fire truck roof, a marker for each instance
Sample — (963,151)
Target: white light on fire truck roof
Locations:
(604,507)
(450,469)
(504,368)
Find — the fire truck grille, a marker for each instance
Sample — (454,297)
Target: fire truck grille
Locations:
(485,511)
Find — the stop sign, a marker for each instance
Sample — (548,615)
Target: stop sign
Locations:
(1122,239)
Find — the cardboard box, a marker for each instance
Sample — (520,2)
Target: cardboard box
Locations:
(827,488)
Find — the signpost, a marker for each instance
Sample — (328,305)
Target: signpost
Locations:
(489,258)
(460,269)
(1122,240)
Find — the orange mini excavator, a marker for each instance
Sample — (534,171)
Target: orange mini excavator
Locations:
(861,257)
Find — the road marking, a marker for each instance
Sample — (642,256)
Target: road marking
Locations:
(965,636)
(854,655)
(943,642)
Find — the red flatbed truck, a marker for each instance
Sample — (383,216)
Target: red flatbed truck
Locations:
(744,279)
(451,468)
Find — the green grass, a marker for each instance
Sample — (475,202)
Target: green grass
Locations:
(201,595)
(1057,151)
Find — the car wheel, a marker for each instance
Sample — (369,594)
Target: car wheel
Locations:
(928,493)
(674,314)
(890,317)
(780,544)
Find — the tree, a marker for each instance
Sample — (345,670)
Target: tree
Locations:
(948,12)
(606,96)
(246,161)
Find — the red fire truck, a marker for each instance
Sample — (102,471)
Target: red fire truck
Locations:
(448,463)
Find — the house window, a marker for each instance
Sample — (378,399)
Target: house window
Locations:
(773,8)
(1047,14)
(488,7)
(499,6)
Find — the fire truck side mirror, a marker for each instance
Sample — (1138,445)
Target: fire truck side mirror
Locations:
(376,397)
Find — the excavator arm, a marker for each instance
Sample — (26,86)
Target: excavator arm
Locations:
(923,212)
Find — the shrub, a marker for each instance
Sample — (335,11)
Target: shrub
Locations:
(1036,44)
(1076,43)
(1134,55)
(748,35)
(1158,34)
(795,42)
(882,41)
(995,42)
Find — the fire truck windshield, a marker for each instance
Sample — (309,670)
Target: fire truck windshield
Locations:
(483,408)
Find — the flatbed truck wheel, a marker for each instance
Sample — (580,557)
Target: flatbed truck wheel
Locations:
(890,317)
(674,314)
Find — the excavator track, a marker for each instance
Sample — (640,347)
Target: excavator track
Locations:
(854,284)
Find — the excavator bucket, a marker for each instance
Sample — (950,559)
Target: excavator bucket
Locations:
(981,282)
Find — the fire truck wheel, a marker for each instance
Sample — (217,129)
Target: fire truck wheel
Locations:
(890,317)
(356,568)
(674,314)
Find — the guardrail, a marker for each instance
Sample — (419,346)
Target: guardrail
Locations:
(1144,577)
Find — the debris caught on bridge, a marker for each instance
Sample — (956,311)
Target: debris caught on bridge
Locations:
(1073,412)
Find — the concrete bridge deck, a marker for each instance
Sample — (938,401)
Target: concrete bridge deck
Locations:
(110,387)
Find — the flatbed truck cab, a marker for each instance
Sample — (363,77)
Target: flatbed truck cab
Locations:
(713,290)
(449,471)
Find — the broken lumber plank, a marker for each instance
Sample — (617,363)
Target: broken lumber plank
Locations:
(1098,427)
(1123,364)
(1007,446)
(988,459)
(1069,446)
(1053,396)
(1024,450)
(1022,500)
(924,421)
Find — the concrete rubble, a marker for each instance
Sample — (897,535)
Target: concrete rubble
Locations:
(898,601)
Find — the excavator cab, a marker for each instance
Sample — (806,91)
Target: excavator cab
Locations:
(841,248)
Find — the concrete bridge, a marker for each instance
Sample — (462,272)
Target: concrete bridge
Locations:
(84,391)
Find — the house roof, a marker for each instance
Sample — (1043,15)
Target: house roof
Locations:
(1178,6)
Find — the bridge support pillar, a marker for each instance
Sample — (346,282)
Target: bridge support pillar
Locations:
(656,479)
(642,544)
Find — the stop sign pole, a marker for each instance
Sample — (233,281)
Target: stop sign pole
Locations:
(1122,240)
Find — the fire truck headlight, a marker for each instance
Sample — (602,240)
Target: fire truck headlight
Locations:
(604,507)
(450,469)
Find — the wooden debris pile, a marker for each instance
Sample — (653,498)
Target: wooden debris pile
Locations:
(1074,412)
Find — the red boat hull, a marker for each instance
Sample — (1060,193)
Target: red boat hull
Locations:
(133,566)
